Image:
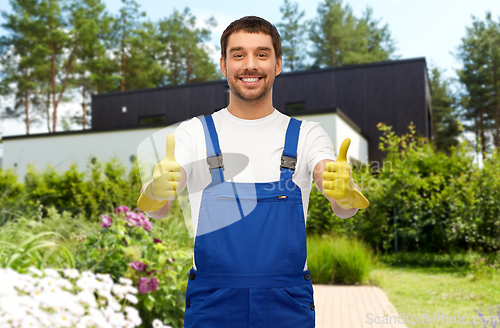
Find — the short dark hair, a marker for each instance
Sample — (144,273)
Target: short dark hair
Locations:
(251,24)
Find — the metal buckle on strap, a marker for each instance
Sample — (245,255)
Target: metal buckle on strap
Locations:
(288,162)
(215,162)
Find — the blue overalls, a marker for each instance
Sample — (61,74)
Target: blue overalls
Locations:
(250,273)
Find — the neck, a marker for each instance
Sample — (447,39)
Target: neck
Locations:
(251,110)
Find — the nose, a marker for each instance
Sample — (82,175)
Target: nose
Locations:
(250,63)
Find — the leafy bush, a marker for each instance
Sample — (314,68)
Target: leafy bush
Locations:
(131,246)
(337,259)
(424,200)
(85,194)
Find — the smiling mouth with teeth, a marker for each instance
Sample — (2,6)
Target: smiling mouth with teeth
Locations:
(250,79)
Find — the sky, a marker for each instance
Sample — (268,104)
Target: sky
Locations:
(425,28)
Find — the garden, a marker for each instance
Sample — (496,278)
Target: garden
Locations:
(76,252)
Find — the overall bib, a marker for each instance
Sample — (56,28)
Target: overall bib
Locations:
(250,264)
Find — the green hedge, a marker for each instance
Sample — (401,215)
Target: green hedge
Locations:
(100,189)
(431,201)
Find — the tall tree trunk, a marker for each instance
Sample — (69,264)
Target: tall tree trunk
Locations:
(27,104)
(53,84)
(495,81)
(83,105)
(55,102)
(483,142)
(124,61)
(47,109)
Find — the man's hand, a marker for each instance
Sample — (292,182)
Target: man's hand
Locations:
(166,175)
(338,182)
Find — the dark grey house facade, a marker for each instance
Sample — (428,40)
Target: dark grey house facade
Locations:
(394,92)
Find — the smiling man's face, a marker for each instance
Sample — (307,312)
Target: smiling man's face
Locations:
(250,66)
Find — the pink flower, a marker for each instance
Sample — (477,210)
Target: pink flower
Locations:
(157,241)
(145,285)
(133,219)
(122,208)
(154,284)
(139,266)
(147,225)
(106,221)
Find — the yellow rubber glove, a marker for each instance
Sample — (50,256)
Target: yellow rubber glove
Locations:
(338,182)
(165,183)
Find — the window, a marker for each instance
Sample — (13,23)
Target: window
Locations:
(150,120)
(296,106)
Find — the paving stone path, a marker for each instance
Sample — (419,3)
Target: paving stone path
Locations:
(353,307)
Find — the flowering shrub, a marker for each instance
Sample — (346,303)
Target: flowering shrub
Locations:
(130,246)
(45,299)
(485,267)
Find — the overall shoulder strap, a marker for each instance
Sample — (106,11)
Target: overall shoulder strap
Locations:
(289,157)
(214,156)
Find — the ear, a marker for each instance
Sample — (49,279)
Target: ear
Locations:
(222,64)
(279,65)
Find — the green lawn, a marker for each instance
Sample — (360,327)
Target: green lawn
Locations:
(447,291)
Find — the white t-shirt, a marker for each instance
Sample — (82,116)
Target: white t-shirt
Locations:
(261,141)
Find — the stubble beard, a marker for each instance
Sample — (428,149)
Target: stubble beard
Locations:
(252,98)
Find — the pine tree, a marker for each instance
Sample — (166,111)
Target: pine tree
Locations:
(182,53)
(478,75)
(339,38)
(445,118)
(291,31)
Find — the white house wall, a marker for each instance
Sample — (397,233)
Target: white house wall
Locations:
(338,129)
(62,151)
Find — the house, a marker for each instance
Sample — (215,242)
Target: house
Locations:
(348,101)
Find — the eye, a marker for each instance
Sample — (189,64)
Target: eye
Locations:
(262,55)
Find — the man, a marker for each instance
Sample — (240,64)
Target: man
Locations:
(249,265)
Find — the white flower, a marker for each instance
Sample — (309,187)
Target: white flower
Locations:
(132,289)
(51,273)
(71,273)
(63,319)
(88,275)
(30,322)
(119,291)
(86,321)
(129,324)
(63,283)
(86,284)
(112,303)
(131,310)
(132,298)
(135,319)
(107,312)
(36,271)
(53,301)
(125,281)
(117,319)
(76,309)
(157,323)
(47,283)
(87,298)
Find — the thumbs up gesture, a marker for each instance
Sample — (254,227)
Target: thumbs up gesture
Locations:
(166,175)
(338,182)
